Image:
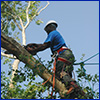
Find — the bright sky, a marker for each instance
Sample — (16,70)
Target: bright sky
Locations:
(78,23)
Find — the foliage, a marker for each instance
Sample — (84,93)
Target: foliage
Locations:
(34,90)
(83,81)
(30,90)
(91,90)
(13,11)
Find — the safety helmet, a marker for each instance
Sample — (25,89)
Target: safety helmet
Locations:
(51,22)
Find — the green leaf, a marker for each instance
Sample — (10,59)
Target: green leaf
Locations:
(9,73)
(13,26)
(38,22)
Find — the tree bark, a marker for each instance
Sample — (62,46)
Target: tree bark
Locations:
(15,67)
(17,50)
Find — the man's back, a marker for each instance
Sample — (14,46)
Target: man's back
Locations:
(56,40)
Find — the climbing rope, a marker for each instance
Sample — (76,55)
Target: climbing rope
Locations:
(87,60)
(91,57)
(87,64)
(53,72)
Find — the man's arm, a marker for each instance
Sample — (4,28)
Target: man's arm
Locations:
(34,48)
(42,47)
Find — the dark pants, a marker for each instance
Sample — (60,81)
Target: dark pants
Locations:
(64,71)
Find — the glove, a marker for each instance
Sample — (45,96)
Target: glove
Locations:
(31,48)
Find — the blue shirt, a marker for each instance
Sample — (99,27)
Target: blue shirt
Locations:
(56,41)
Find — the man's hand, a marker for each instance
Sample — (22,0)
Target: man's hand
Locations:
(31,48)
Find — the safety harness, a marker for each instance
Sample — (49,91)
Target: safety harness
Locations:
(73,85)
(53,72)
(54,68)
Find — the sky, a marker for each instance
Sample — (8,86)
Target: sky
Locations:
(78,23)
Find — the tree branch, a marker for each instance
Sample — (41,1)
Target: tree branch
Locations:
(5,25)
(16,49)
(23,37)
(27,14)
(17,24)
(15,67)
(33,2)
(43,8)
(7,55)
(37,13)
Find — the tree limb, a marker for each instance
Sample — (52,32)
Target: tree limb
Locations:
(27,15)
(16,49)
(44,7)
(7,55)
(15,67)
(2,25)
(17,24)
(37,13)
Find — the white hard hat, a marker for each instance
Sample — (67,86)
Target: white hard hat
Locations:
(51,22)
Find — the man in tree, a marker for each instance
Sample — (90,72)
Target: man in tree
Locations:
(64,56)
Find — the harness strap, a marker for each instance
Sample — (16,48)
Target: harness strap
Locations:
(47,80)
(64,60)
(54,69)
(62,48)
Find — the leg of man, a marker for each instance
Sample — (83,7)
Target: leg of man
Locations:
(64,69)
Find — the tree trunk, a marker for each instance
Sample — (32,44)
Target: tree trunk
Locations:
(17,50)
(15,67)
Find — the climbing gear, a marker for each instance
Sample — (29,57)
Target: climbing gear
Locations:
(87,60)
(72,87)
(54,69)
(62,49)
(51,22)
(64,60)
(62,73)
(54,55)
